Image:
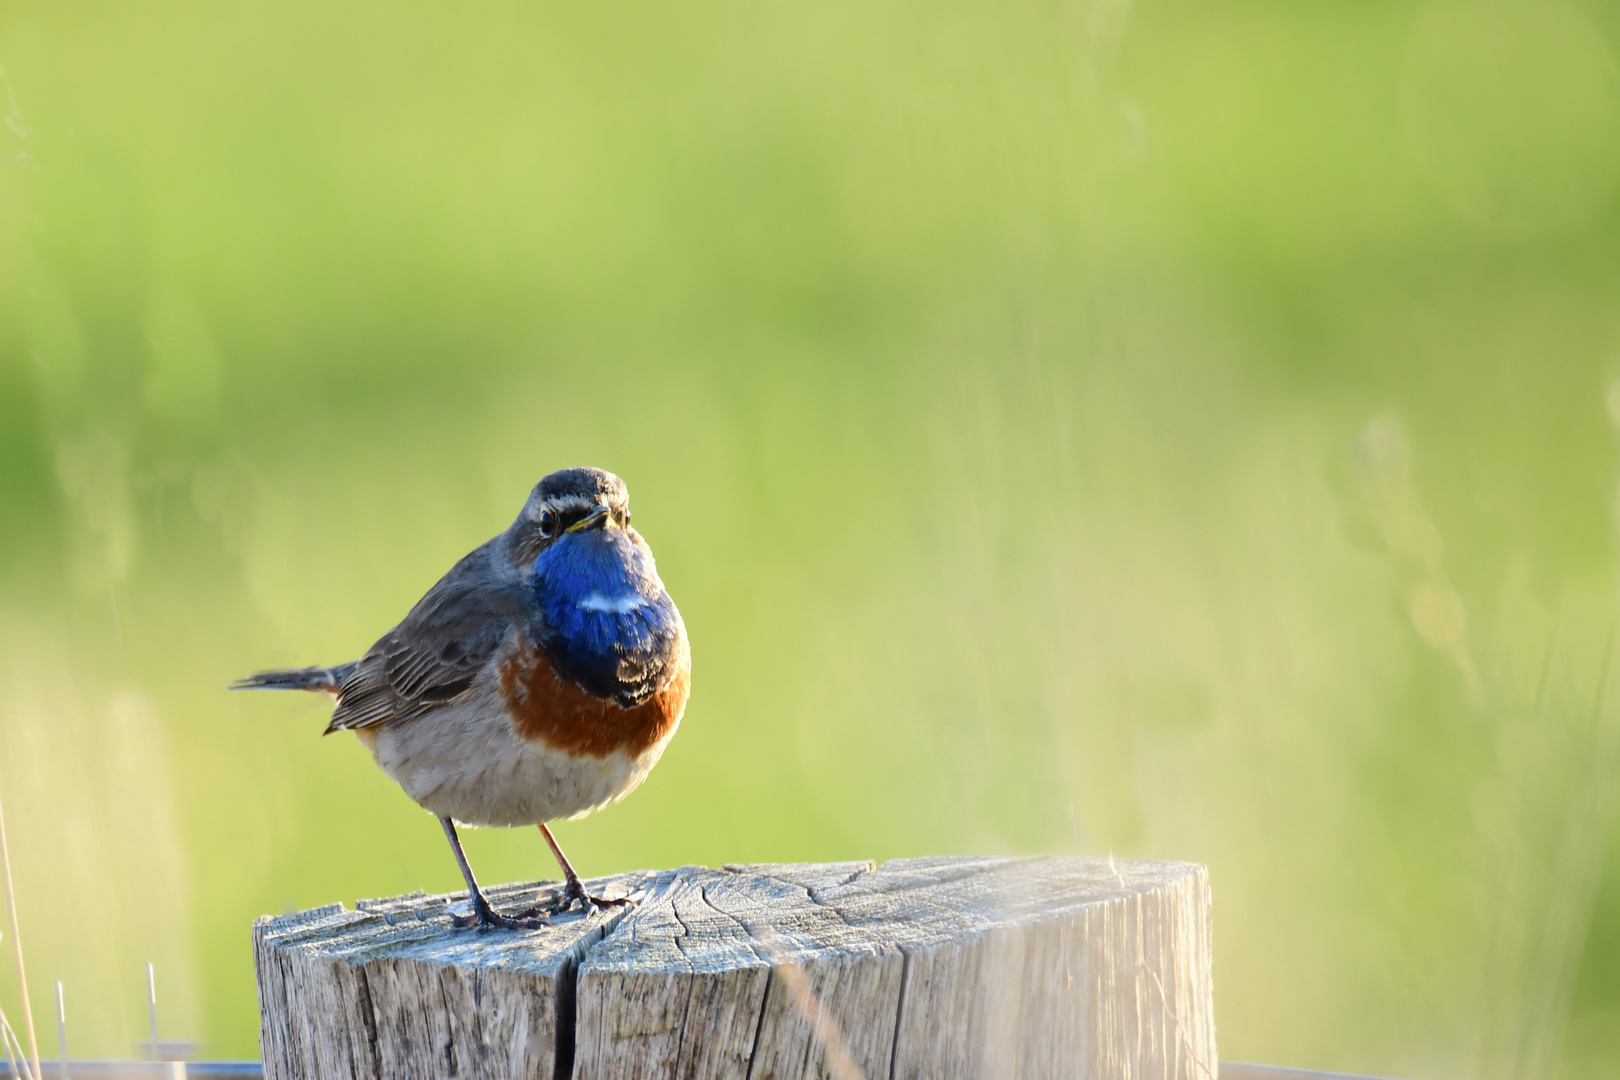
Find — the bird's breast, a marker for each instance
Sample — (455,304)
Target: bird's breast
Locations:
(547,707)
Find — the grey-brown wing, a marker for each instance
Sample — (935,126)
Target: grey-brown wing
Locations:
(435,653)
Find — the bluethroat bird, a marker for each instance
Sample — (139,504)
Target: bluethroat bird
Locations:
(541,678)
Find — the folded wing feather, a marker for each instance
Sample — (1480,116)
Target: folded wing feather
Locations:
(435,653)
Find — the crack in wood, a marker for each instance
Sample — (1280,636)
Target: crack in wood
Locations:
(759,1029)
(686,1014)
(900,1009)
(563,1052)
(368,1018)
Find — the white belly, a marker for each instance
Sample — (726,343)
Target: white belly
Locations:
(465,762)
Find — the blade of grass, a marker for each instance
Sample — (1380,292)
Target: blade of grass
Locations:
(16,946)
(61,1030)
(11,1059)
(9,1035)
(151,1006)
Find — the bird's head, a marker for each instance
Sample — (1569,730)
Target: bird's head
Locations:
(569,501)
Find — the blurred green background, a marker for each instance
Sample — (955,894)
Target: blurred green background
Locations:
(1172,429)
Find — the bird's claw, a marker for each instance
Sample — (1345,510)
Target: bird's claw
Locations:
(481,918)
(574,893)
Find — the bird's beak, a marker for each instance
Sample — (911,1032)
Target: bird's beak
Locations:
(601,517)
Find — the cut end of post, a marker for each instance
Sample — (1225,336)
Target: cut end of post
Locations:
(919,969)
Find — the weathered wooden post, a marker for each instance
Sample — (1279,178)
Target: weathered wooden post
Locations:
(919,969)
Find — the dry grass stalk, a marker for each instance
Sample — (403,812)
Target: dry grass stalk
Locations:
(9,1037)
(16,947)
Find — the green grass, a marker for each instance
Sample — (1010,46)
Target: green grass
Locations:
(1172,429)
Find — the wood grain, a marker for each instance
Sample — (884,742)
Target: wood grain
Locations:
(919,969)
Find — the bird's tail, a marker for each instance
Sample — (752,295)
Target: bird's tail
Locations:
(326,679)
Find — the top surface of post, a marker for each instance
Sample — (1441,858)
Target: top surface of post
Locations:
(930,967)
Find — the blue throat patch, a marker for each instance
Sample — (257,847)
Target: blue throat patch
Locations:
(606,622)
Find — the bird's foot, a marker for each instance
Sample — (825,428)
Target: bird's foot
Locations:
(573,893)
(483,916)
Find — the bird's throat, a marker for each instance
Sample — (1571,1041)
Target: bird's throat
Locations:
(606,622)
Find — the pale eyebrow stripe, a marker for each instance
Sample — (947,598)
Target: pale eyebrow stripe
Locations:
(568,502)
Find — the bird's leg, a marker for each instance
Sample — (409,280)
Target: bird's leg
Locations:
(483,913)
(574,892)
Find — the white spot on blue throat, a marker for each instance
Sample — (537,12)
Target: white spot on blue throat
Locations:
(618,605)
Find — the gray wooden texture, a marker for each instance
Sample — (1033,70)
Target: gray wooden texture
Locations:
(919,969)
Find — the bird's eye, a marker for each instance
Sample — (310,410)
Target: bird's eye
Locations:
(548,523)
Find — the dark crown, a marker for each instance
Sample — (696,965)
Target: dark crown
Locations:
(592,485)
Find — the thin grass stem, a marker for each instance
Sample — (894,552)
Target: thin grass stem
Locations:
(61,1031)
(11,1059)
(151,1006)
(9,1034)
(16,947)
